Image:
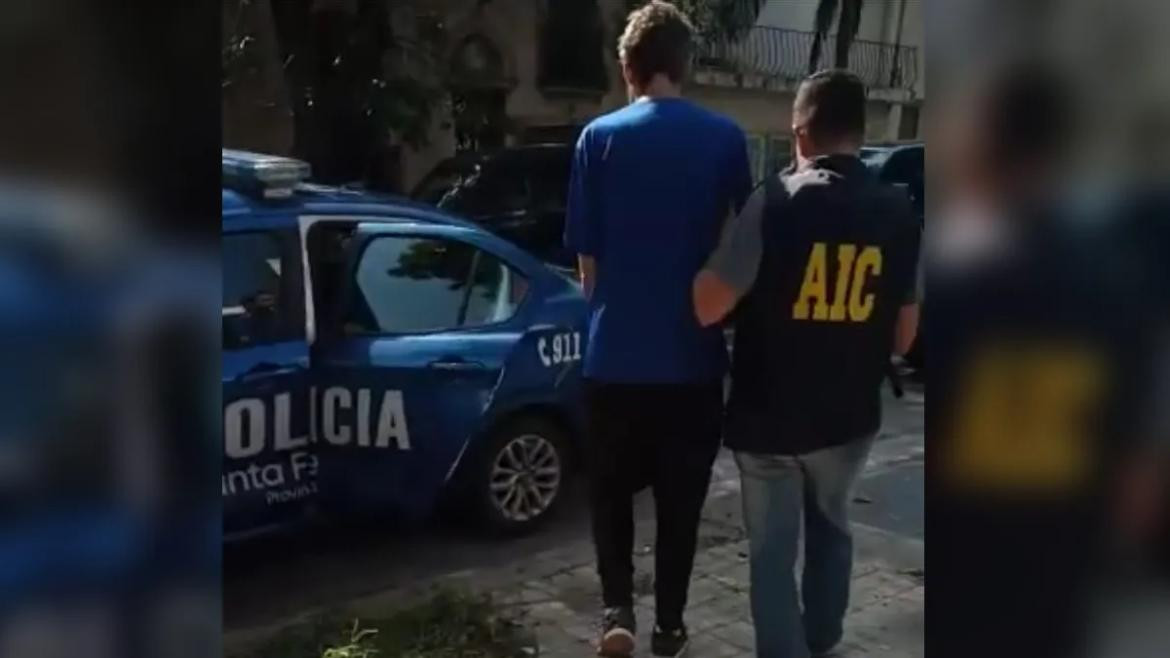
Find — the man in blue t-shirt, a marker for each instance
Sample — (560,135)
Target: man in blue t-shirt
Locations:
(651,186)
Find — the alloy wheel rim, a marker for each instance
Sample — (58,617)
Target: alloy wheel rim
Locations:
(525,477)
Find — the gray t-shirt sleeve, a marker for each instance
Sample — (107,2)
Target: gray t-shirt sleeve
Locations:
(737,258)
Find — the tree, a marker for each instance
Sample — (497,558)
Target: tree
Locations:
(848,22)
(714,20)
(361,76)
(256,113)
(357,79)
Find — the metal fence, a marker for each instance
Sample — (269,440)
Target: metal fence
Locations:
(783,53)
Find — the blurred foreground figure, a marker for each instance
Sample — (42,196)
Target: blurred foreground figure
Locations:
(109,525)
(1041,342)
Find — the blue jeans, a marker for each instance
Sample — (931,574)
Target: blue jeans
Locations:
(777,491)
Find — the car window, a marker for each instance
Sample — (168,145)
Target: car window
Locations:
(497,190)
(450,175)
(416,285)
(256,294)
(905,167)
(550,183)
(550,188)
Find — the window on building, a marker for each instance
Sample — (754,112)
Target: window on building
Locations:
(908,125)
(479,93)
(778,155)
(410,285)
(768,154)
(572,47)
(257,304)
(756,146)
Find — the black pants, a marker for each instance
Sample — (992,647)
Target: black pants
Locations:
(665,436)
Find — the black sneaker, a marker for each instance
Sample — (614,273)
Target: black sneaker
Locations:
(618,628)
(831,652)
(669,643)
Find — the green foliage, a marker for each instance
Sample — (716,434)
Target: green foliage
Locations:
(363,78)
(360,645)
(359,76)
(237,54)
(449,625)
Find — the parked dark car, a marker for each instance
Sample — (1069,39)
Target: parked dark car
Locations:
(903,164)
(900,164)
(517,193)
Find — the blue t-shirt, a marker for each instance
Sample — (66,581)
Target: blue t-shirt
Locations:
(651,186)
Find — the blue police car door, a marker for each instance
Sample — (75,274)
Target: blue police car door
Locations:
(427,319)
(268,467)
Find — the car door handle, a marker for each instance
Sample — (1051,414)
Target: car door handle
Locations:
(455,364)
(262,368)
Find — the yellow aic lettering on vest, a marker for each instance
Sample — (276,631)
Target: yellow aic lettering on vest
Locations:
(1024,420)
(854,269)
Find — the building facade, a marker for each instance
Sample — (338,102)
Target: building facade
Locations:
(526,71)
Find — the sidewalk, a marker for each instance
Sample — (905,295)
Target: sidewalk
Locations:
(556,593)
(885,618)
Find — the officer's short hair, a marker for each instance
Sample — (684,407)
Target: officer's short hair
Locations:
(832,104)
(658,39)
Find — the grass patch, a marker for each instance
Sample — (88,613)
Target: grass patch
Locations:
(449,625)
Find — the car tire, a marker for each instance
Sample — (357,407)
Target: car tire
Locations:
(519,477)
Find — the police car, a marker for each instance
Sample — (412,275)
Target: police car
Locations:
(380,355)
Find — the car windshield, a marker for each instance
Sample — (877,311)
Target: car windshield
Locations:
(441,186)
(875,158)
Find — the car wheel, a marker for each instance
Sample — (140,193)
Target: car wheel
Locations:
(521,476)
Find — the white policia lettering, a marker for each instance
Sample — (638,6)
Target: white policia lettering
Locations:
(256,477)
(564,348)
(246,437)
(245,422)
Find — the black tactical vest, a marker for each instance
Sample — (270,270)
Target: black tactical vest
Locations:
(814,334)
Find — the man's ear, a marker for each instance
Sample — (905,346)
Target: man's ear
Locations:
(631,82)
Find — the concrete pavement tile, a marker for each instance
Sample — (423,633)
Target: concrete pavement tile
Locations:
(861,569)
(521,596)
(711,646)
(735,603)
(553,612)
(704,559)
(731,581)
(580,630)
(564,647)
(893,625)
(697,624)
(877,586)
(708,616)
(704,589)
(739,633)
(915,596)
(541,586)
(878,651)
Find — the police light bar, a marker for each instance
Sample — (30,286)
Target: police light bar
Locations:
(270,176)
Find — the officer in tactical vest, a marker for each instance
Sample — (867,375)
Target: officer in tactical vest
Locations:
(820,266)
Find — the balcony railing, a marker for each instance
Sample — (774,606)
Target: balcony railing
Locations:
(781,53)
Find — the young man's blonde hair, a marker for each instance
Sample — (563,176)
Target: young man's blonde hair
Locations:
(658,38)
